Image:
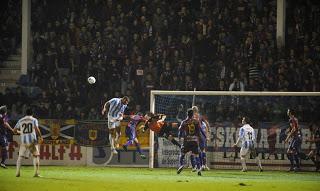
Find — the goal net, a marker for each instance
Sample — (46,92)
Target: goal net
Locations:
(223,110)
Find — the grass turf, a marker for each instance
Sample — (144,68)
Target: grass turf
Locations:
(143,179)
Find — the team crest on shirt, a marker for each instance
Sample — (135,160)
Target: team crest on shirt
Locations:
(93,133)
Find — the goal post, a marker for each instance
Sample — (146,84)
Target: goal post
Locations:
(234,104)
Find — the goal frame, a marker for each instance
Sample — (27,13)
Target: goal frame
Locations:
(153,93)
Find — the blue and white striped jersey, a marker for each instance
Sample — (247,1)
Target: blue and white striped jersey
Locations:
(27,127)
(247,135)
(116,107)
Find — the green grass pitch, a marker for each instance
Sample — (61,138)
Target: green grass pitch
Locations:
(143,179)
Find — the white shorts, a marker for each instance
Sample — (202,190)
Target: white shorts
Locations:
(113,122)
(25,148)
(245,149)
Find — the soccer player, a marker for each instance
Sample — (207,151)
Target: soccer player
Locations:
(248,138)
(115,108)
(314,155)
(131,133)
(189,134)
(157,124)
(204,138)
(29,131)
(295,139)
(3,135)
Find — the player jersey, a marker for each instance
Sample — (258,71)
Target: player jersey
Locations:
(247,135)
(134,121)
(27,127)
(190,130)
(3,120)
(116,107)
(203,130)
(294,124)
(156,125)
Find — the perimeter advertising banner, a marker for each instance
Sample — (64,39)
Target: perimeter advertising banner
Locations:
(71,142)
(222,154)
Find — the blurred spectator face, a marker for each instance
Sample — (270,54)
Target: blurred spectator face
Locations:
(167,66)
(143,19)
(59,106)
(143,9)
(149,77)
(200,76)
(158,11)
(135,37)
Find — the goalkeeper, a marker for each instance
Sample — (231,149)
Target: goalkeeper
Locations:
(157,124)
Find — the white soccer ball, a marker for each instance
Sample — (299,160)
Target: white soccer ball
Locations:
(91,80)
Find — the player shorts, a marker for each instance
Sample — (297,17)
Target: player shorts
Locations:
(295,144)
(188,146)
(3,141)
(113,122)
(131,133)
(33,148)
(246,148)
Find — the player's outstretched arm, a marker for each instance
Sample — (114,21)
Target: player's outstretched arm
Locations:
(105,106)
(7,125)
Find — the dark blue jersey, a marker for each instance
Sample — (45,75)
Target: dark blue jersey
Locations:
(134,121)
(295,126)
(3,120)
(190,130)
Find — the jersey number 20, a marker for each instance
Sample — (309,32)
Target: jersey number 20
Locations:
(27,128)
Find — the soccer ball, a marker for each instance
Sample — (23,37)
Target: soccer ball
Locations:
(91,80)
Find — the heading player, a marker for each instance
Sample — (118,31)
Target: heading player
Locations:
(115,108)
(295,139)
(248,137)
(29,131)
(3,135)
(189,134)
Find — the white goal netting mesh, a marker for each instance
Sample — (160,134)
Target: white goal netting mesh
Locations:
(223,112)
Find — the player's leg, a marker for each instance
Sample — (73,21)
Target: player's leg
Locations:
(290,155)
(136,142)
(253,151)
(166,132)
(193,163)
(183,151)
(118,133)
(130,136)
(112,136)
(243,154)
(34,149)
(196,151)
(173,141)
(203,154)
(22,151)
(296,151)
(4,151)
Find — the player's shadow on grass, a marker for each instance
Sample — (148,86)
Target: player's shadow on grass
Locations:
(60,179)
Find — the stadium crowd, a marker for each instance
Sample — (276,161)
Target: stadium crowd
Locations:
(137,46)
(10,30)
